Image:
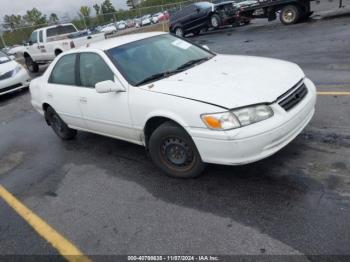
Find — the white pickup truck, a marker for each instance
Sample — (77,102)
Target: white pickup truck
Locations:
(48,42)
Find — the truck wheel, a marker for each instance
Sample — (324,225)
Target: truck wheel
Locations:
(173,151)
(31,65)
(290,14)
(58,125)
(179,32)
(215,21)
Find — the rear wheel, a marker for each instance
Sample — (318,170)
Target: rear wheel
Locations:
(215,21)
(58,125)
(174,152)
(31,65)
(290,14)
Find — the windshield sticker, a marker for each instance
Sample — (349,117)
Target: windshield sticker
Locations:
(181,44)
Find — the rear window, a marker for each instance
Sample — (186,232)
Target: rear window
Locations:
(60,30)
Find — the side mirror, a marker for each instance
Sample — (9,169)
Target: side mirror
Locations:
(109,86)
(206,47)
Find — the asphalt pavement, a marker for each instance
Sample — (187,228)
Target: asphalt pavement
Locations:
(107,197)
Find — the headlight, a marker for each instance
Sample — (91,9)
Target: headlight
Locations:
(253,114)
(238,117)
(16,70)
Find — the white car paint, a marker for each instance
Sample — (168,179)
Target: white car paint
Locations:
(12,76)
(220,84)
(109,29)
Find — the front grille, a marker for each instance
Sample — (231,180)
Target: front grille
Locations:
(293,98)
(2,90)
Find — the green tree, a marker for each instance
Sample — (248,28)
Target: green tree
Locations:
(84,14)
(12,21)
(108,9)
(97,9)
(53,19)
(35,17)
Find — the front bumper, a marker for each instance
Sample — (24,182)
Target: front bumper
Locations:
(16,82)
(257,141)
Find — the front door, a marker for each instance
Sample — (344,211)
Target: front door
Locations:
(107,113)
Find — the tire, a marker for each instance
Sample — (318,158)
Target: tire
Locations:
(31,65)
(173,151)
(290,14)
(179,32)
(58,125)
(215,21)
(58,52)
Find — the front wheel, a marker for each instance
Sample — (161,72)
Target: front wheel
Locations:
(58,125)
(174,152)
(179,32)
(290,14)
(31,65)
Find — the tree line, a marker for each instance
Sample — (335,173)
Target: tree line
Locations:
(18,28)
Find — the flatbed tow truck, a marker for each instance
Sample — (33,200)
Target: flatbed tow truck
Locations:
(289,11)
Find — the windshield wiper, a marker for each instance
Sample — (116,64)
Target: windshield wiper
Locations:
(191,63)
(153,77)
(171,72)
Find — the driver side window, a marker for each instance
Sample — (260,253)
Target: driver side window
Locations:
(34,37)
(93,69)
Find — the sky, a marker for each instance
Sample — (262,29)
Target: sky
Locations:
(61,7)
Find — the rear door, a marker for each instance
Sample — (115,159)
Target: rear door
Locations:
(61,92)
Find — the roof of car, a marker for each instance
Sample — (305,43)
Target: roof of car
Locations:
(121,40)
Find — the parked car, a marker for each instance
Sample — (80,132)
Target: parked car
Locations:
(12,75)
(16,50)
(188,106)
(155,19)
(48,42)
(109,29)
(130,23)
(121,25)
(146,20)
(201,16)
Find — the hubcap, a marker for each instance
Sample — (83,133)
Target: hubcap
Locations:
(176,152)
(289,16)
(179,32)
(30,65)
(214,22)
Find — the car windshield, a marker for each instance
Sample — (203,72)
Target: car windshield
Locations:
(4,58)
(156,57)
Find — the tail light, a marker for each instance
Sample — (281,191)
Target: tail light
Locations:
(72,45)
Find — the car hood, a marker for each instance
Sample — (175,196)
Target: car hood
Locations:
(7,67)
(232,81)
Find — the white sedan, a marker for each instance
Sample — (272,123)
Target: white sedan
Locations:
(13,76)
(185,104)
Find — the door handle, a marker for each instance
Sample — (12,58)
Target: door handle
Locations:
(83,100)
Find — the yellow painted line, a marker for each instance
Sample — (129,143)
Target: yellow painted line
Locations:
(333,93)
(62,245)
